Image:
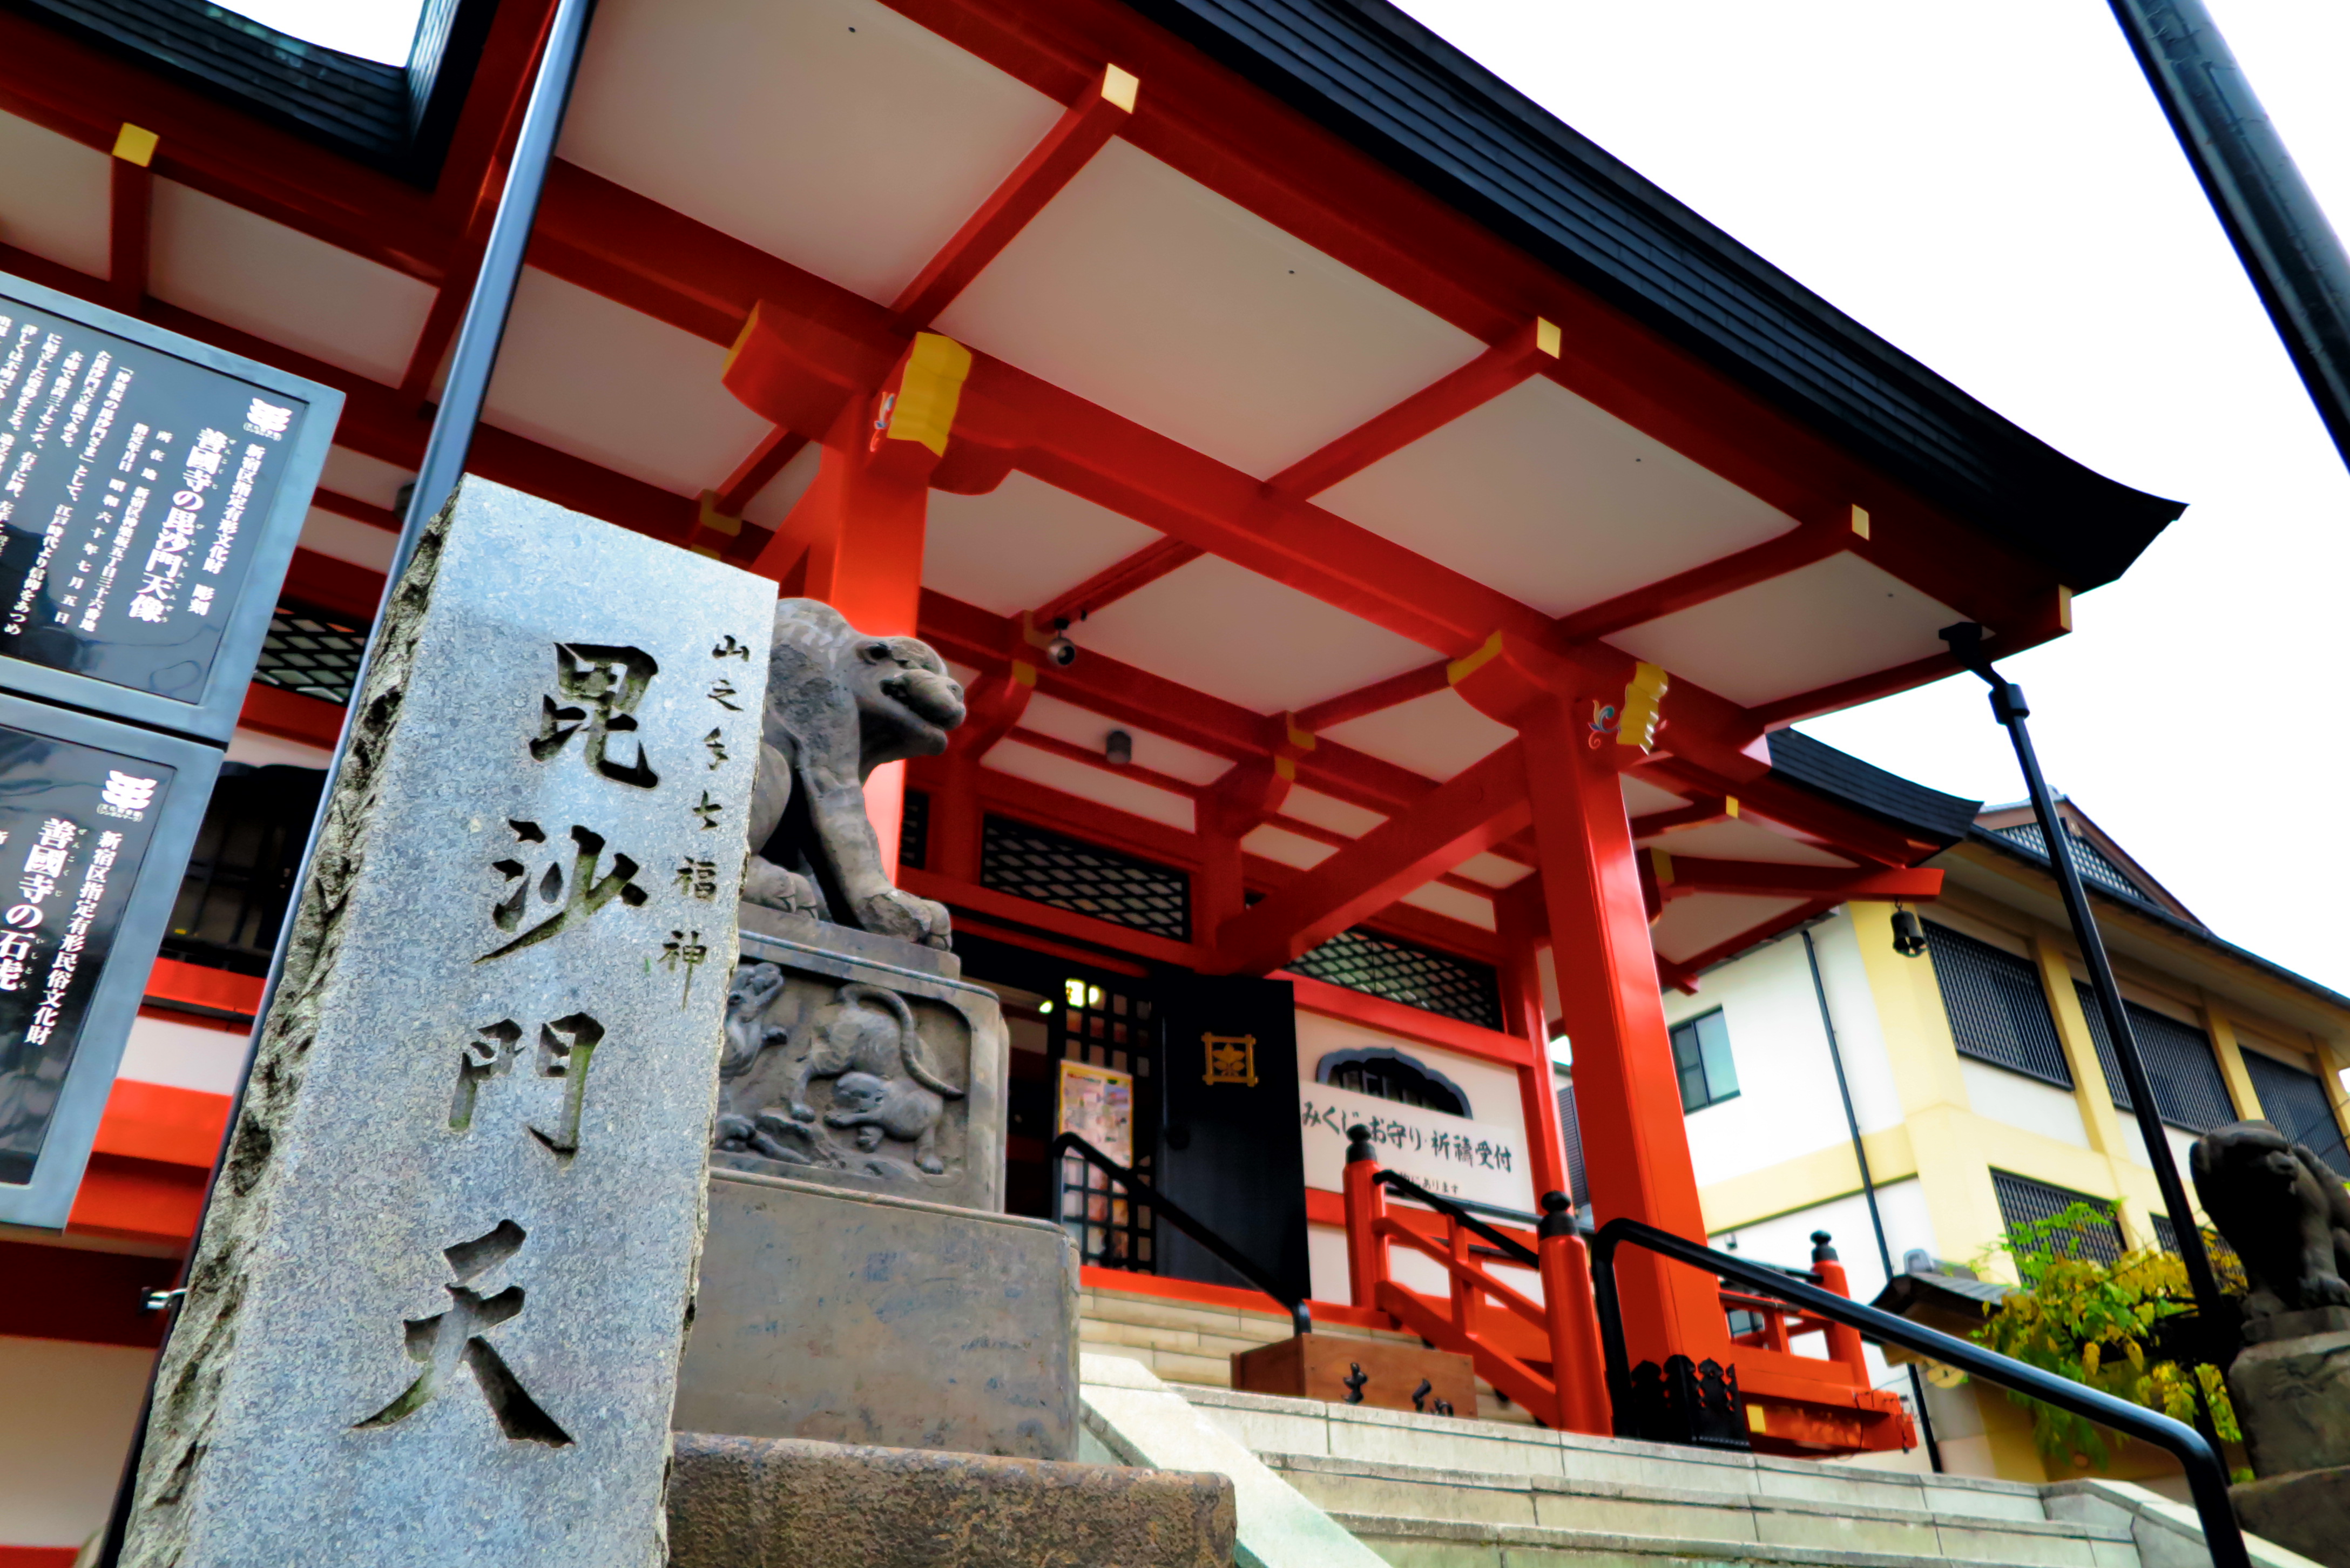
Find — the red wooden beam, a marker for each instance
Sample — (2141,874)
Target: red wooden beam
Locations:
(130,198)
(1114,581)
(1480,805)
(1085,130)
(1378,696)
(1697,814)
(1055,746)
(1791,806)
(1480,381)
(358,511)
(274,710)
(1797,548)
(1761,879)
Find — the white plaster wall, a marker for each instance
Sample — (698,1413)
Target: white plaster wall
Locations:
(1999,1095)
(1867,1064)
(2134,1141)
(1787,1103)
(184,1056)
(65,1416)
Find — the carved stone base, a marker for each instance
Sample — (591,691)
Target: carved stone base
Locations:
(2293,1399)
(2307,1511)
(846,1318)
(860,1062)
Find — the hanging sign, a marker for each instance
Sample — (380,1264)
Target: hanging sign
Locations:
(152,490)
(1450,1156)
(96,821)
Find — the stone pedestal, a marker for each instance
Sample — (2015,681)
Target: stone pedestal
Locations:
(863,1062)
(435,1312)
(2293,1399)
(851,1317)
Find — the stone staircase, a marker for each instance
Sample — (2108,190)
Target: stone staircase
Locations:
(1429,1492)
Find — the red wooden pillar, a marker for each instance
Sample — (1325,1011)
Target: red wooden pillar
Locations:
(855,539)
(1518,918)
(1628,1097)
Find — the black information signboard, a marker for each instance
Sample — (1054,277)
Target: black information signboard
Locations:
(152,490)
(96,821)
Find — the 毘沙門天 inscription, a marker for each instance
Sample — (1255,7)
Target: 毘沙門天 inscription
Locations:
(75,823)
(453,1244)
(132,484)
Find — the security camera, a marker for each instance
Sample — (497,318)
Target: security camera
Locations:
(1061,651)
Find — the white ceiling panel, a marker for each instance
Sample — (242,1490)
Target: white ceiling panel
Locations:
(1223,629)
(1827,622)
(1322,811)
(1079,727)
(1743,841)
(601,381)
(1493,870)
(1015,547)
(1152,294)
(55,200)
(1555,501)
(1641,797)
(1288,848)
(347,539)
(1437,898)
(363,478)
(1690,926)
(247,271)
(835,134)
(775,500)
(1438,734)
(1089,784)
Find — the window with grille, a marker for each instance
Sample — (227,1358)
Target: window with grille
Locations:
(1570,1133)
(1998,1012)
(2093,866)
(240,875)
(2295,1102)
(311,655)
(1084,878)
(1389,1074)
(1701,1057)
(2187,1088)
(1099,1022)
(914,830)
(1404,972)
(2024,1201)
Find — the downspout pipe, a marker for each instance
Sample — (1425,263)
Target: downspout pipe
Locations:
(1867,1184)
(444,462)
(2008,706)
(2293,255)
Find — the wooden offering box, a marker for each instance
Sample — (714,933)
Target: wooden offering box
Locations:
(1345,1371)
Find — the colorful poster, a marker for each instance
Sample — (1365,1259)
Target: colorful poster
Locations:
(1097,1104)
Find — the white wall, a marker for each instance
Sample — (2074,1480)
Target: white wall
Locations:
(185,1055)
(1787,1104)
(1997,1094)
(65,1416)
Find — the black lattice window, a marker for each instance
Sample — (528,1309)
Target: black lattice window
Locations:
(1570,1133)
(311,655)
(1998,1012)
(2295,1102)
(1402,972)
(2024,1201)
(1101,1022)
(2187,1088)
(914,830)
(1084,878)
(2092,863)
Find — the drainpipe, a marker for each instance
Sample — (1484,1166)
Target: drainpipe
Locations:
(1868,1186)
(444,462)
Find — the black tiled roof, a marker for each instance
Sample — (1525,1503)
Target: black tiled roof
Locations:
(1849,781)
(1378,79)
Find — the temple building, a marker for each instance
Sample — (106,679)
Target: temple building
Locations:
(1385,542)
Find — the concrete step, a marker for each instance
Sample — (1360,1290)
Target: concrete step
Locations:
(1456,1543)
(1501,1454)
(787,1503)
(1707,1522)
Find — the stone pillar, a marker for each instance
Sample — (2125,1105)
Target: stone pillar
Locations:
(438,1301)
(2291,1388)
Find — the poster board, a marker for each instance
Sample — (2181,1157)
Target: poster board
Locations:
(1097,1104)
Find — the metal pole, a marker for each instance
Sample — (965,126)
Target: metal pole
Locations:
(2294,258)
(2008,705)
(1868,1186)
(444,462)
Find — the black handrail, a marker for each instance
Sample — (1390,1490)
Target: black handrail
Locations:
(1301,1319)
(2205,1475)
(1445,1206)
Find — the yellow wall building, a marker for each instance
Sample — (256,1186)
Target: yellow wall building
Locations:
(1979,1082)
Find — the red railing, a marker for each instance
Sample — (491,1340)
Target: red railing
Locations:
(1545,1355)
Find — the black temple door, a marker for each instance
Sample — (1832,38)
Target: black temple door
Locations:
(1230,1152)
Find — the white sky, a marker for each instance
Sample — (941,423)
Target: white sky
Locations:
(373,29)
(1992,188)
